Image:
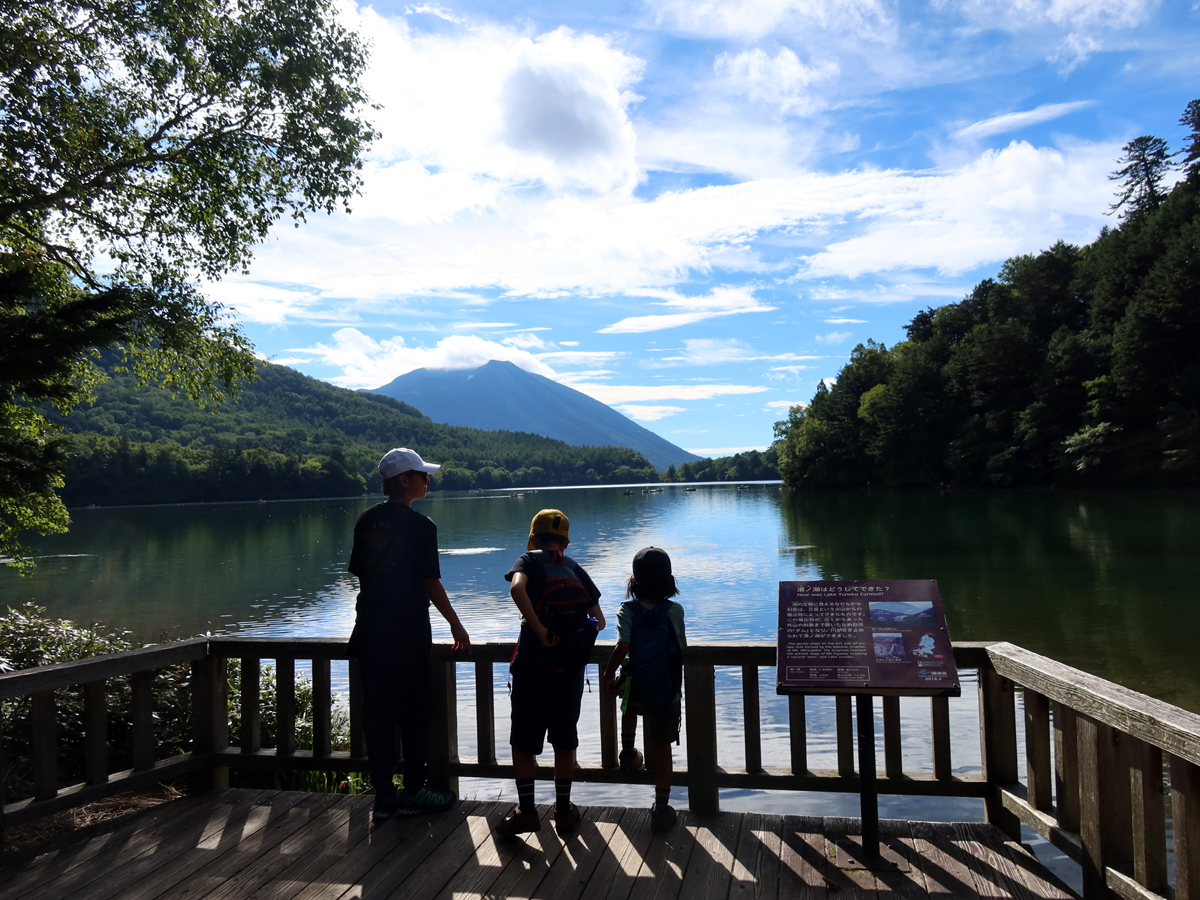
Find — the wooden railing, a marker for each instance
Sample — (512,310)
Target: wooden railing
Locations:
(1094,751)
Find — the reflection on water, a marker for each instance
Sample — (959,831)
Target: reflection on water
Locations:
(1105,581)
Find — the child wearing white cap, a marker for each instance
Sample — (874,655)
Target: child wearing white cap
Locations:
(395,557)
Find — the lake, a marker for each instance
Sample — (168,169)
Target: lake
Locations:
(1105,581)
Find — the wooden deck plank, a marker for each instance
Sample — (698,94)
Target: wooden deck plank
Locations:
(711,868)
(628,843)
(802,859)
(970,845)
(852,884)
(152,849)
(475,878)
(581,853)
(1024,866)
(896,835)
(34,869)
(533,856)
(756,874)
(662,870)
(454,853)
(946,874)
(195,870)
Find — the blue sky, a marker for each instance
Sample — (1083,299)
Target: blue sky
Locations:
(692,210)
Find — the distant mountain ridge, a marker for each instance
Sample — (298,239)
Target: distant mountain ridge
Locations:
(501,395)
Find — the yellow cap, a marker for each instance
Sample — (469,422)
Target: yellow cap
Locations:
(548,521)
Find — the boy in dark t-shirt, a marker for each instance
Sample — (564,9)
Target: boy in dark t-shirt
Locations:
(395,557)
(560,617)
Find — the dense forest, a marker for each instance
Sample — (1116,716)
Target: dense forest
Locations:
(289,436)
(1077,366)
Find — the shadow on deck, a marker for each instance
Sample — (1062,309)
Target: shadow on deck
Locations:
(257,845)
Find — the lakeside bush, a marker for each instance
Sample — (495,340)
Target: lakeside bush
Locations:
(29,639)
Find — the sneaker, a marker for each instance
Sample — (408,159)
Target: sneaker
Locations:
(565,822)
(631,759)
(386,806)
(662,819)
(424,800)
(517,822)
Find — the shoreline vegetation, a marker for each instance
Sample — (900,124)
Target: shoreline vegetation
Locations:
(1077,367)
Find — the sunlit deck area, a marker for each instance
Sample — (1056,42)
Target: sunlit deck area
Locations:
(271,844)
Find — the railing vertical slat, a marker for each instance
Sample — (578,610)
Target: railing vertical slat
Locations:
(844,715)
(285,707)
(322,702)
(251,736)
(95,724)
(443,743)
(1116,822)
(751,726)
(1149,816)
(998,737)
(485,711)
(1066,767)
(939,715)
(608,728)
(44,747)
(358,744)
(893,759)
(797,735)
(701,714)
(210,719)
(1037,751)
(1185,812)
(142,690)
(1093,862)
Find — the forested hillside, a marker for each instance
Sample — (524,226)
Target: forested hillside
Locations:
(290,436)
(1077,366)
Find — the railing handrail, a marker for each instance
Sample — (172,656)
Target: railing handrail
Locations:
(96,668)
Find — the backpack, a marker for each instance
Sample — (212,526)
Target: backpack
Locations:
(562,608)
(655,660)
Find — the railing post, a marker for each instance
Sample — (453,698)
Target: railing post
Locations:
(797,736)
(322,701)
(443,742)
(210,720)
(251,736)
(485,712)
(1037,750)
(939,716)
(1066,768)
(998,739)
(1149,816)
(358,744)
(1105,821)
(844,717)
(44,746)
(1185,812)
(95,724)
(751,727)
(701,706)
(1090,805)
(142,689)
(608,727)
(285,707)
(893,760)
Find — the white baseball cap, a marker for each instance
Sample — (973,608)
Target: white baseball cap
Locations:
(401,460)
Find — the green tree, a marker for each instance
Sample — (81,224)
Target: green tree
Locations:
(1143,165)
(143,145)
(1191,151)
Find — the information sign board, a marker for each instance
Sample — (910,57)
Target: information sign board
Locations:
(864,637)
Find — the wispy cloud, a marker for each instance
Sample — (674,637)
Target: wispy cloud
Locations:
(846,321)
(1015,121)
(614,394)
(650,413)
(834,337)
(719,302)
(715,351)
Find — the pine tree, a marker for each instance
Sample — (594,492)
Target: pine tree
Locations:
(1143,166)
(1191,150)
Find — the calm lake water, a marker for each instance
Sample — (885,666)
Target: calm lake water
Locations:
(1105,581)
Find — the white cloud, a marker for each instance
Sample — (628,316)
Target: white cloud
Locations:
(1015,121)
(1074,51)
(568,343)
(368,363)
(725,301)
(782,406)
(525,341)
(1073,14)
(846,322)
(782,81)
(583,357)
(714,351)
(789,370)
(266,305)
(650,413)
(614,394)
(834,337)
(724,19)
(472,325)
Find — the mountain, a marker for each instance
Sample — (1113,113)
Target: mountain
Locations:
(502,395)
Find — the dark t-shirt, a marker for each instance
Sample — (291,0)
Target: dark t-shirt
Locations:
(395,552)
(532,567)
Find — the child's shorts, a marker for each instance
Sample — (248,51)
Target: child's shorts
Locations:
(546,706)
(661,726)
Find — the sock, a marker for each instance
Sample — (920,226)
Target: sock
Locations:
(562,794)
(525,795)
(627,739)
(662,797)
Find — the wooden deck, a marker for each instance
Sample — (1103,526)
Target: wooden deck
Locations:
(270,845)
